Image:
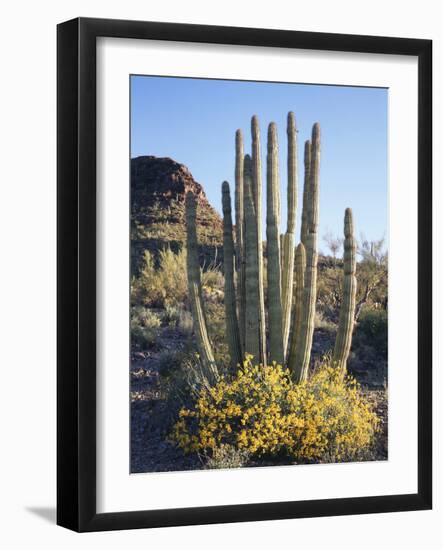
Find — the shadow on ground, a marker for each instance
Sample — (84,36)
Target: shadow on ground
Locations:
(46,513)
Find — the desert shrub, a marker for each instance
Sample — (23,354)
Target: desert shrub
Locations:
(372,330)
(226,456)
(213,278)
(145,317)
(261,411)
(183,378)
(144,327)
(322,322)
(171,315)
(143,338)
(163,285)
(185,322)
(169,361)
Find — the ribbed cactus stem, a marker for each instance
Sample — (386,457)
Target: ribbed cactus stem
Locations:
(239,232)
(273,249)
(232,331)
(195,290)
(252,312)
(306,183)
(304,345)
(257,196)
(297,316)
(287,250)
(347,310)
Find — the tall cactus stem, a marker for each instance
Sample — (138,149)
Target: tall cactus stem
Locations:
(232,331)
(273,249)
(347,310)
(289,237)
(195,290)
(239,232)
(304,216)
(257,196)
(297,316)
(252,315)
(304,345)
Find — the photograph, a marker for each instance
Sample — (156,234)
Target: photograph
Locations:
(259,274)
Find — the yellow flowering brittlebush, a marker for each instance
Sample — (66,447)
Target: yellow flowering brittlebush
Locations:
(263,412)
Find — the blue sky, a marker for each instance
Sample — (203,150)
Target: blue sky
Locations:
(194,121)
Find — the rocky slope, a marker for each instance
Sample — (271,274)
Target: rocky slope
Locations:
(158,190)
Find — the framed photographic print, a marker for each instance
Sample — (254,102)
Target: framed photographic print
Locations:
(244,274)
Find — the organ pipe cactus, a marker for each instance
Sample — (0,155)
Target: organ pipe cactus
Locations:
(304,345)
(273,246)
(232,331)
(195,290)
(252,308)
(257,194)
(297,316)
(239,230)
(347,310)
(287,249)
(291,271)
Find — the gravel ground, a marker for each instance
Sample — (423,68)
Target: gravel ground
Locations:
(150,424)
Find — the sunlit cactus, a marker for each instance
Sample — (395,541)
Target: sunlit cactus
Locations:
(239,230)
(257,195)
(287,248)
(297,313)
(252,310)
(232,331)
(347,310)
(275,317)
(195,289)
(291,287)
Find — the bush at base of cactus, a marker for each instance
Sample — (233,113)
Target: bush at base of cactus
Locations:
(264,413)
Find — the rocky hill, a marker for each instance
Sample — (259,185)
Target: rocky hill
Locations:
(158,190)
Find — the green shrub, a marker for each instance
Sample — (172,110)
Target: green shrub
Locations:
(143,338)
(165,285)
(145,326)
(372,330)
(185,322)
(145,317)
(227,456)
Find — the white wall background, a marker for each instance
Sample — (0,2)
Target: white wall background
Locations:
(27,273)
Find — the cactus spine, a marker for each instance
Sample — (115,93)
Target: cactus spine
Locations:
(287,252)
(304,346)
(195,291)
(239,232)
(347,310)
(232,331)
(257,194)
(273,244)
(252,309)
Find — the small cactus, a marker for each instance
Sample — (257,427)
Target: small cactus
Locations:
(297,316)
(347,310)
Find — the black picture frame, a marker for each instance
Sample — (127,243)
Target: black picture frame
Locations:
(76,265)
